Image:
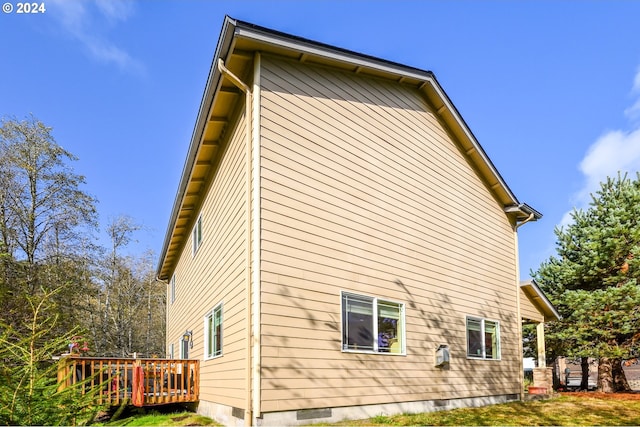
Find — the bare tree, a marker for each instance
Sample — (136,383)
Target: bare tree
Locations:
(129,302)
(43,210)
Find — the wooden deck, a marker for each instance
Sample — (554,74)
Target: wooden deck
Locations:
(144,382)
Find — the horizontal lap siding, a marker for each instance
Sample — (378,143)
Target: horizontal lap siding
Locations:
(363,190)
(216,275)
(528,310)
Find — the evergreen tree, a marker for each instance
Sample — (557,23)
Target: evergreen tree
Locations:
(29,389)
(594,282)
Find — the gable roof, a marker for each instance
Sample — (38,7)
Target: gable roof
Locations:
(238,40)
(539,300)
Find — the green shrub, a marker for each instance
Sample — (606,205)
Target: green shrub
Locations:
(29,389)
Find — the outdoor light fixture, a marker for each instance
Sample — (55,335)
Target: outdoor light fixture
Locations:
(188,337)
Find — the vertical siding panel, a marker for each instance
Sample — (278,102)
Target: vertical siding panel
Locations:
(364,190)
(216,274)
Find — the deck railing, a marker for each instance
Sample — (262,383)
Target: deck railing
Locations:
(144,381)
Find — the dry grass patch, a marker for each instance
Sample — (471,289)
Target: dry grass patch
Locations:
(157,419)
(571,409)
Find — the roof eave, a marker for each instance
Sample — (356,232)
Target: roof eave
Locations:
(213,81)
(540,300)
(523,212)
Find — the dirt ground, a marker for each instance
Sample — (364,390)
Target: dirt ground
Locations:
(605,396)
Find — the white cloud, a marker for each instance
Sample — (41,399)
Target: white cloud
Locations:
(615,151)
(89,21)
(633,112)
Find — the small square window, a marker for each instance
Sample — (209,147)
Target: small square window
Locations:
(483,338)
(172,289)
(213,333)
(196,235)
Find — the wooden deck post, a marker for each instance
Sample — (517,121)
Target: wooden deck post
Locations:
(137,386)
(62,373)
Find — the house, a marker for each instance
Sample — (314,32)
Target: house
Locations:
(340,245)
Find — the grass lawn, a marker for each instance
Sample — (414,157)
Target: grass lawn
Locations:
(158,419)
(570,409)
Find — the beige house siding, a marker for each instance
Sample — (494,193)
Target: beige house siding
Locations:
(528,311)
(216,275)
(363,190)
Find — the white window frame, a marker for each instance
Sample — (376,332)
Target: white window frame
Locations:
(171,351)
(196,236)
(483,355)
(208,332)
(172,288)
(374,302)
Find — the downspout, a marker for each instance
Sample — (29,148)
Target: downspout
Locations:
(518,305)
(256,240)
(247,91)
(519,315)
(518,225)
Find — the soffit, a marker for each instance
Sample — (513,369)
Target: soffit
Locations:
(202,166)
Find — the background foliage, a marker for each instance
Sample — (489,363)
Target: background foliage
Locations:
(594,282)
(50,262)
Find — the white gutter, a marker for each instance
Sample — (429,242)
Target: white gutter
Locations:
(248,104)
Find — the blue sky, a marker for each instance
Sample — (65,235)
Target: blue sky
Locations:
(551,89)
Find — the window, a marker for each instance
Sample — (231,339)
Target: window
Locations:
(172,288)
(213,333)
(171,351)
(372,325)
(483,338)
(196,235)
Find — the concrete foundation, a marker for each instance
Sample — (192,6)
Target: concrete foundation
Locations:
(232,416)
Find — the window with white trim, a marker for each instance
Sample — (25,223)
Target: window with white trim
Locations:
(196,235)
(483,338)
(172,288)
(370,324)
(171,351)
(213,333)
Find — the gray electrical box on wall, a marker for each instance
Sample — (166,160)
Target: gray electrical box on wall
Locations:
(442,355)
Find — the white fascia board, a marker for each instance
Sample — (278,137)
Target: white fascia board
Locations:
(309,48)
